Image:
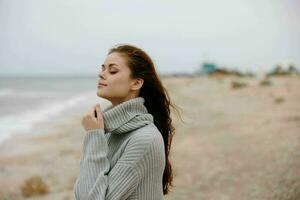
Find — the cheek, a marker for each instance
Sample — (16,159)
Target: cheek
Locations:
(120,86)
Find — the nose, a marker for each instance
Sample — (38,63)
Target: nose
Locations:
(101,75)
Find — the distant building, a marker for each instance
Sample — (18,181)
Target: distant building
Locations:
(212,69)
(207,68)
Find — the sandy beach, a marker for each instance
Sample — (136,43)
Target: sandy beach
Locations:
(235,143)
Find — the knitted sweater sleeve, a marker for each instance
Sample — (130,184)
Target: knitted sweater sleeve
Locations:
(96,181)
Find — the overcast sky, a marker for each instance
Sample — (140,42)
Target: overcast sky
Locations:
(73,37)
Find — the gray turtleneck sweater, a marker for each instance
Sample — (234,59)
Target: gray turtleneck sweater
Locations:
(123,160)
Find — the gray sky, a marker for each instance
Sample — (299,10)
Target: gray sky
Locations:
(73,37)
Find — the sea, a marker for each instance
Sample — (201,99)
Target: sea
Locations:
(26,101)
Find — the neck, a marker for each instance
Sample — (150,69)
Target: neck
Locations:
(127,116)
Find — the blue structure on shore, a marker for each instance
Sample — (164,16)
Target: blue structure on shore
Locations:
(207,68)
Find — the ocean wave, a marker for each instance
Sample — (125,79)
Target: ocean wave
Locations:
(25,94)
(24,122)
(6,92)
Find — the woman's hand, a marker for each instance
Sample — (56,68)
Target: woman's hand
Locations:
(89,121)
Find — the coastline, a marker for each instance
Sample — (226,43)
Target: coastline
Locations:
(51,150)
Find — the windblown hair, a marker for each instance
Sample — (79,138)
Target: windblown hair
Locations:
(157,99)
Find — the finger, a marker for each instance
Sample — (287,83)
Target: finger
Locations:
(82,120)
(91,112)
(98,110)
(95,114)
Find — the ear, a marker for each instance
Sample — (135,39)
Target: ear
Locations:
(137,84)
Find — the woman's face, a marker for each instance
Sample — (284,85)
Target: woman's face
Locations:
(115,74)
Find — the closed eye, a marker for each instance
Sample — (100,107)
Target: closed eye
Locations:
(110,68)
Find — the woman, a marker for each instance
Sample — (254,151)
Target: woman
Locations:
(126,146)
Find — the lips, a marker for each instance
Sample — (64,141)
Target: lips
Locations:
(102,84)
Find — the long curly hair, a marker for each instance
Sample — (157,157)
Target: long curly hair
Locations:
(157,99)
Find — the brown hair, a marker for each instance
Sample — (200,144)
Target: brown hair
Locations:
(157,100)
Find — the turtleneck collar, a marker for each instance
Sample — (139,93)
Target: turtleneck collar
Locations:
(126,116)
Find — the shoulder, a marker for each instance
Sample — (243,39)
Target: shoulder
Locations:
(144,141)
(146,136)
(152,159)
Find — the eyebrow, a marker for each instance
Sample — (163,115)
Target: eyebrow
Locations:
(110,65)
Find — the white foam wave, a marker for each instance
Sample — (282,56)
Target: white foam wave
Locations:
(24,122)
(6,92)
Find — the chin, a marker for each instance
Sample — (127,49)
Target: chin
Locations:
(101,95)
